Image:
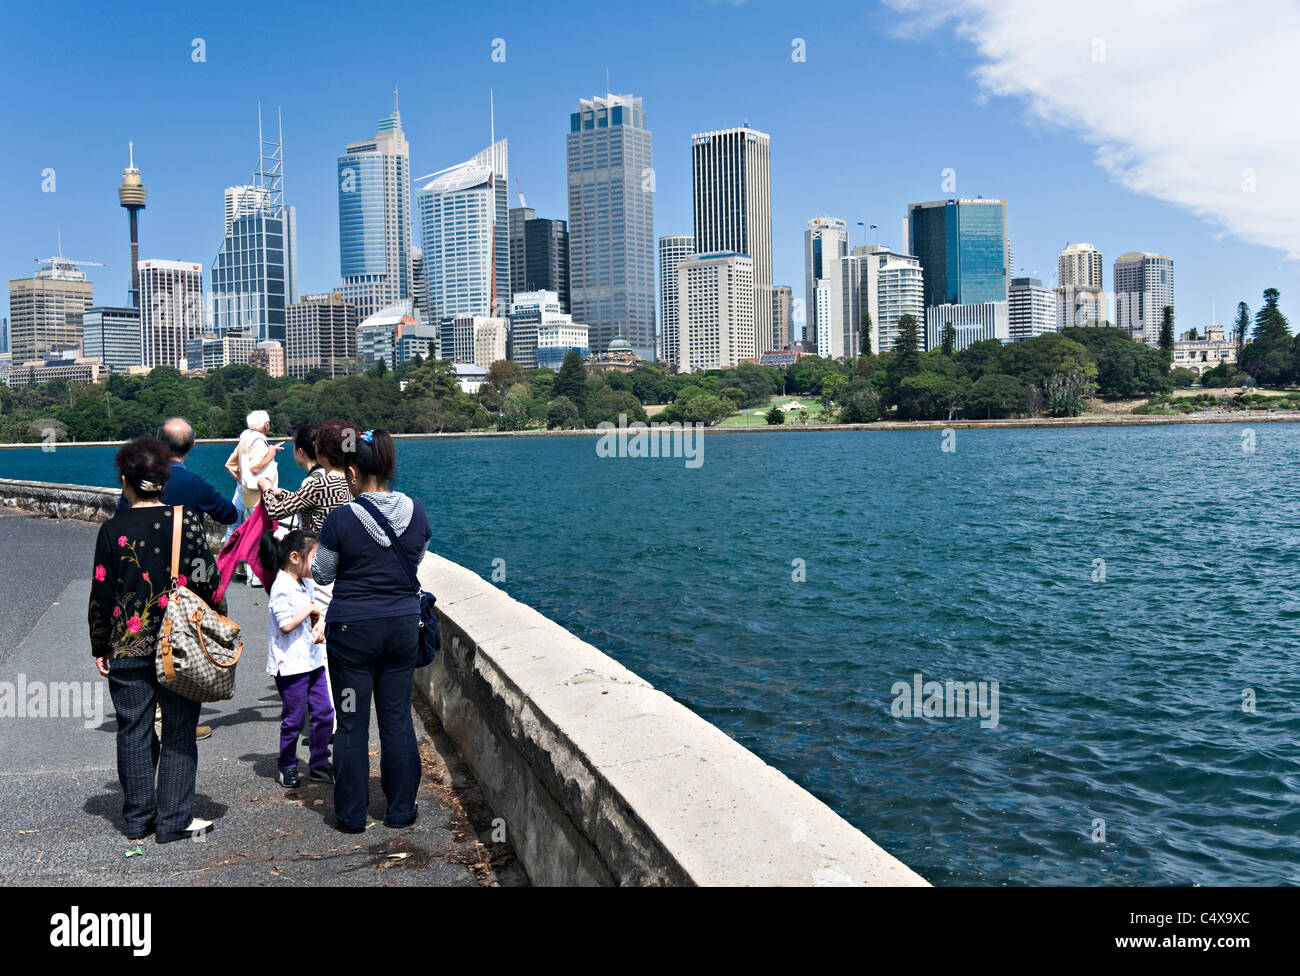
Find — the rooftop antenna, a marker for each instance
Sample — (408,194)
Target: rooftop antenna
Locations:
(492,118)
(608,91)
(131,150)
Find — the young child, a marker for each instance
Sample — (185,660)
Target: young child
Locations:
(296,633)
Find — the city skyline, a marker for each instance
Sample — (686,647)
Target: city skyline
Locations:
(183,221)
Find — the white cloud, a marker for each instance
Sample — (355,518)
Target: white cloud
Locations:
(1183,99)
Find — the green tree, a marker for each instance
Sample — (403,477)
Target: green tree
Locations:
(503,374)
(1167,334)
(949,341)
(571,382)
(995,395)
(562,414)
(864,335)
(1243,326)
(775,416)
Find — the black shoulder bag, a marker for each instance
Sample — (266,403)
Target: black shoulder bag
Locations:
(430,639)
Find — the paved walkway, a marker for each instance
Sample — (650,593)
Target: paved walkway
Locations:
(62,805)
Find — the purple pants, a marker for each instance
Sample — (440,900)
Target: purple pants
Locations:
(296,690)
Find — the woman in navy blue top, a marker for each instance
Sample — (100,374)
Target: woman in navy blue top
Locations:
(372,630)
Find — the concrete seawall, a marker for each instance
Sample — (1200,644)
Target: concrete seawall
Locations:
(597,777)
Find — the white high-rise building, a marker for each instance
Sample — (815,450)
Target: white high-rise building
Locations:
(845,287)
(171,310)
(489,341)
(1080,296)
(826,237)
(732,181)
(530,313)
(672,249)
(1144,285)
(464,233)
(1031,309)
(988,320)
(895,287)
(715,296)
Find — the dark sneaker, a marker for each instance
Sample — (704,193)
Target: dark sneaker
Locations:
(288,778)
(320,775)
(351,828)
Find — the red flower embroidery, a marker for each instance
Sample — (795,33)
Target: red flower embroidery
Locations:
(101,573)
(145,577)
(121,540)
(162,601)
(181,580)
(117,612)
(133,624)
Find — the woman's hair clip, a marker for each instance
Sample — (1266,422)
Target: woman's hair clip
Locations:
(368,436)
(150,486)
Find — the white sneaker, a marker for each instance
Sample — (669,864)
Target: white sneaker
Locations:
(197,830)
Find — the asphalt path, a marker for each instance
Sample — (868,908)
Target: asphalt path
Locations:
(59,791)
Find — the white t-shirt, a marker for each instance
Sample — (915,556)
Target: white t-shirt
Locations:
(294,652)
(255,444)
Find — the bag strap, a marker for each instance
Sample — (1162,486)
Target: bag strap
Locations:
(369,506)
(178,517)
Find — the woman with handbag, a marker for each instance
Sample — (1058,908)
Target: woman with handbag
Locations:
(128,601)
(368,549)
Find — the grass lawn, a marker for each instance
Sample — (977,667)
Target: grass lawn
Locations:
(754,416)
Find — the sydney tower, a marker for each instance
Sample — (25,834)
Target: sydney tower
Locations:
(131,195)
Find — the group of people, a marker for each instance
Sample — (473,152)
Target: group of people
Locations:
(343,621)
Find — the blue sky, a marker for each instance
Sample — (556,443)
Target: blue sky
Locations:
(889,96)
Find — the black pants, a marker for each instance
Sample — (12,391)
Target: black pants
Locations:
(373,656)
(134,688)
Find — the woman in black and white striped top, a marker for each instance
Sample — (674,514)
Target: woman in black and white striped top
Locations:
(324,489)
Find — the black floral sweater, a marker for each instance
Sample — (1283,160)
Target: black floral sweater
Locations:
(132,577)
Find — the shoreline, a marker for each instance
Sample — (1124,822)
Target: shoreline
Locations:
(1090,420)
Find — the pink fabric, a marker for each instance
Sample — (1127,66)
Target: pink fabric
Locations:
(241,547)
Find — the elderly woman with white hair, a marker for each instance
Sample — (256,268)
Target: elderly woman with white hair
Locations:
(252,460)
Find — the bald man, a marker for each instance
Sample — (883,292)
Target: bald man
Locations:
(183,486)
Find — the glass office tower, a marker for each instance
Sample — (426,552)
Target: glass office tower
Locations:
(374,178)
(611,222)
(962,247)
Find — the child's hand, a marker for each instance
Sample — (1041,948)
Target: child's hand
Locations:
(318,633)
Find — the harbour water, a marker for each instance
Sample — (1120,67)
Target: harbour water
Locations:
(1132,591)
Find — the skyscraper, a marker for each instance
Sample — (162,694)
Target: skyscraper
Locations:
(847,293)
(45,310)
(546,258)
(374,177)
(518,217)
(131,196)
(962,247)
(1144,285)
(321,333)
(611,222)
(245,199)
(1080,296)
(732,182)
(464,224)
(113,335)
(673,249)
(1031,309)
(895,287)
(252,279)
(715,300)
(973,323)
(171,310)
(782,315)
(826,237)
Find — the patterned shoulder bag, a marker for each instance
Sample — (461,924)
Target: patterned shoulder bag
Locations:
(198,648)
